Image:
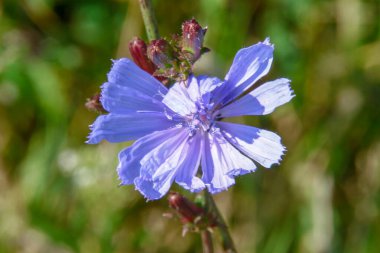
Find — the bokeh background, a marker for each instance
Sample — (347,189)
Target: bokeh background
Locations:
(58,194)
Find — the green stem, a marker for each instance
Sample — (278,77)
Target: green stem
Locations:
(149,19)
(227,242)
(207,242)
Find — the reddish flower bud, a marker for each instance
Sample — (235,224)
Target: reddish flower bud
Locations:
(161,53)
(138,50)
(192,39)
(185,208)
(94,104)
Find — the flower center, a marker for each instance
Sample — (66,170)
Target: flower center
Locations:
(202,120)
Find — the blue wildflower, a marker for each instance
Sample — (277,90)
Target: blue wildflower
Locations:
(179,129)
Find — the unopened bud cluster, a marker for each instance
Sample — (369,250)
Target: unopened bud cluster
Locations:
(170,59)
(167,60)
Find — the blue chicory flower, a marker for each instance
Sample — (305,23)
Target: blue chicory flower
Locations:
(179,129)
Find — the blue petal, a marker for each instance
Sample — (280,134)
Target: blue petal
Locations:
(186,172)
(193,88)
(200,88)
(147,190)
(262,100)
(159,166)
(262,146)
(129,159)
(155,162)
(178,100)
(126,73)
(221,162)
(249,65)
(184,97)
(124,100)
(208,84)
(120,128)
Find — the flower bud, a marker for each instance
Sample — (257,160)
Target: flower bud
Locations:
(192,39)
(138,50)
(185,208)
(161,53)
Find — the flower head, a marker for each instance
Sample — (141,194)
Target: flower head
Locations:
(192,39)
(179,129)
(138,50)
(161,53)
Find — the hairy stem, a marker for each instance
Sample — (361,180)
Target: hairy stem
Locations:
(207,242)
(149,19)
(227,242)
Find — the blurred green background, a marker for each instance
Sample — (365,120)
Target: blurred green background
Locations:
(58,194)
